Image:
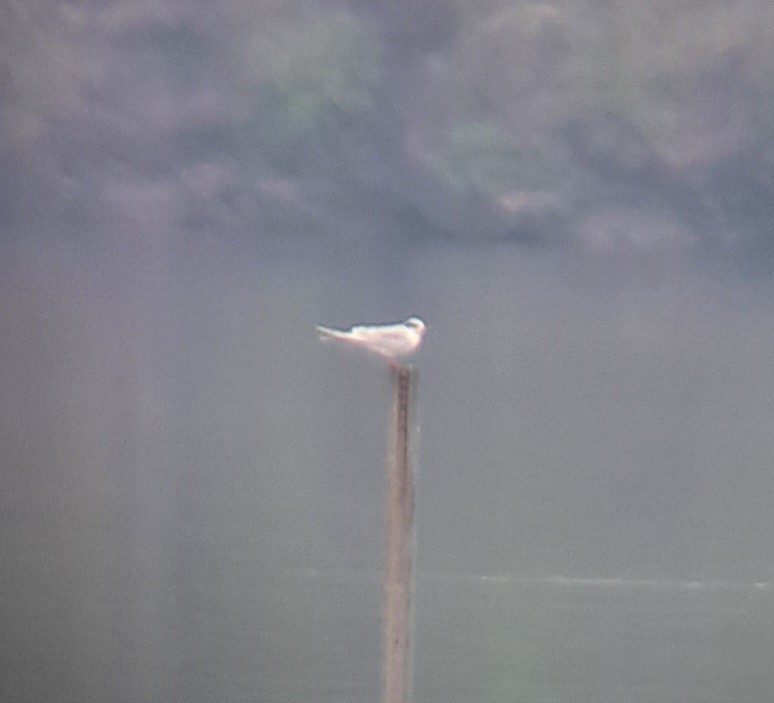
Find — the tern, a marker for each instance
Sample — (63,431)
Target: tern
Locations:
(393,340)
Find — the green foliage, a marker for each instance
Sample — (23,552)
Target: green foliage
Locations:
(312,82)
(333,62)
(481,158)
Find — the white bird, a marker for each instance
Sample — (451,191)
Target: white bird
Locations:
(393,340)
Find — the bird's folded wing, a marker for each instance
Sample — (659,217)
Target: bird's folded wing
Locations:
(384,340)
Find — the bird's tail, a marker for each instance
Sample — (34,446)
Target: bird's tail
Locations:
(330,333)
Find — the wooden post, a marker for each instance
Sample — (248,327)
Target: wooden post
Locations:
(398,585)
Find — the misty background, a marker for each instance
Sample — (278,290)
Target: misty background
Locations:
(576,196)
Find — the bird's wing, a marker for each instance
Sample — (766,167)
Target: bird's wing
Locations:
(388,339)
(373,333)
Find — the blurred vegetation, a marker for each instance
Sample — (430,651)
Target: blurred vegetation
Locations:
(311,80)
(514,112)
(480,157)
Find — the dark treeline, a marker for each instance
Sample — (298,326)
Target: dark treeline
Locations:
(609,125)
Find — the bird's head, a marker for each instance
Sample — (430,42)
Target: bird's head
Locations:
(417,324)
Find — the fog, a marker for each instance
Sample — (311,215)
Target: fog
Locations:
(193,492)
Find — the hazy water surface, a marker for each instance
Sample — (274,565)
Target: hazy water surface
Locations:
(193,485)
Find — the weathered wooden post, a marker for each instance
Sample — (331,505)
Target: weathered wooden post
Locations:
(398,583)
(394,342)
